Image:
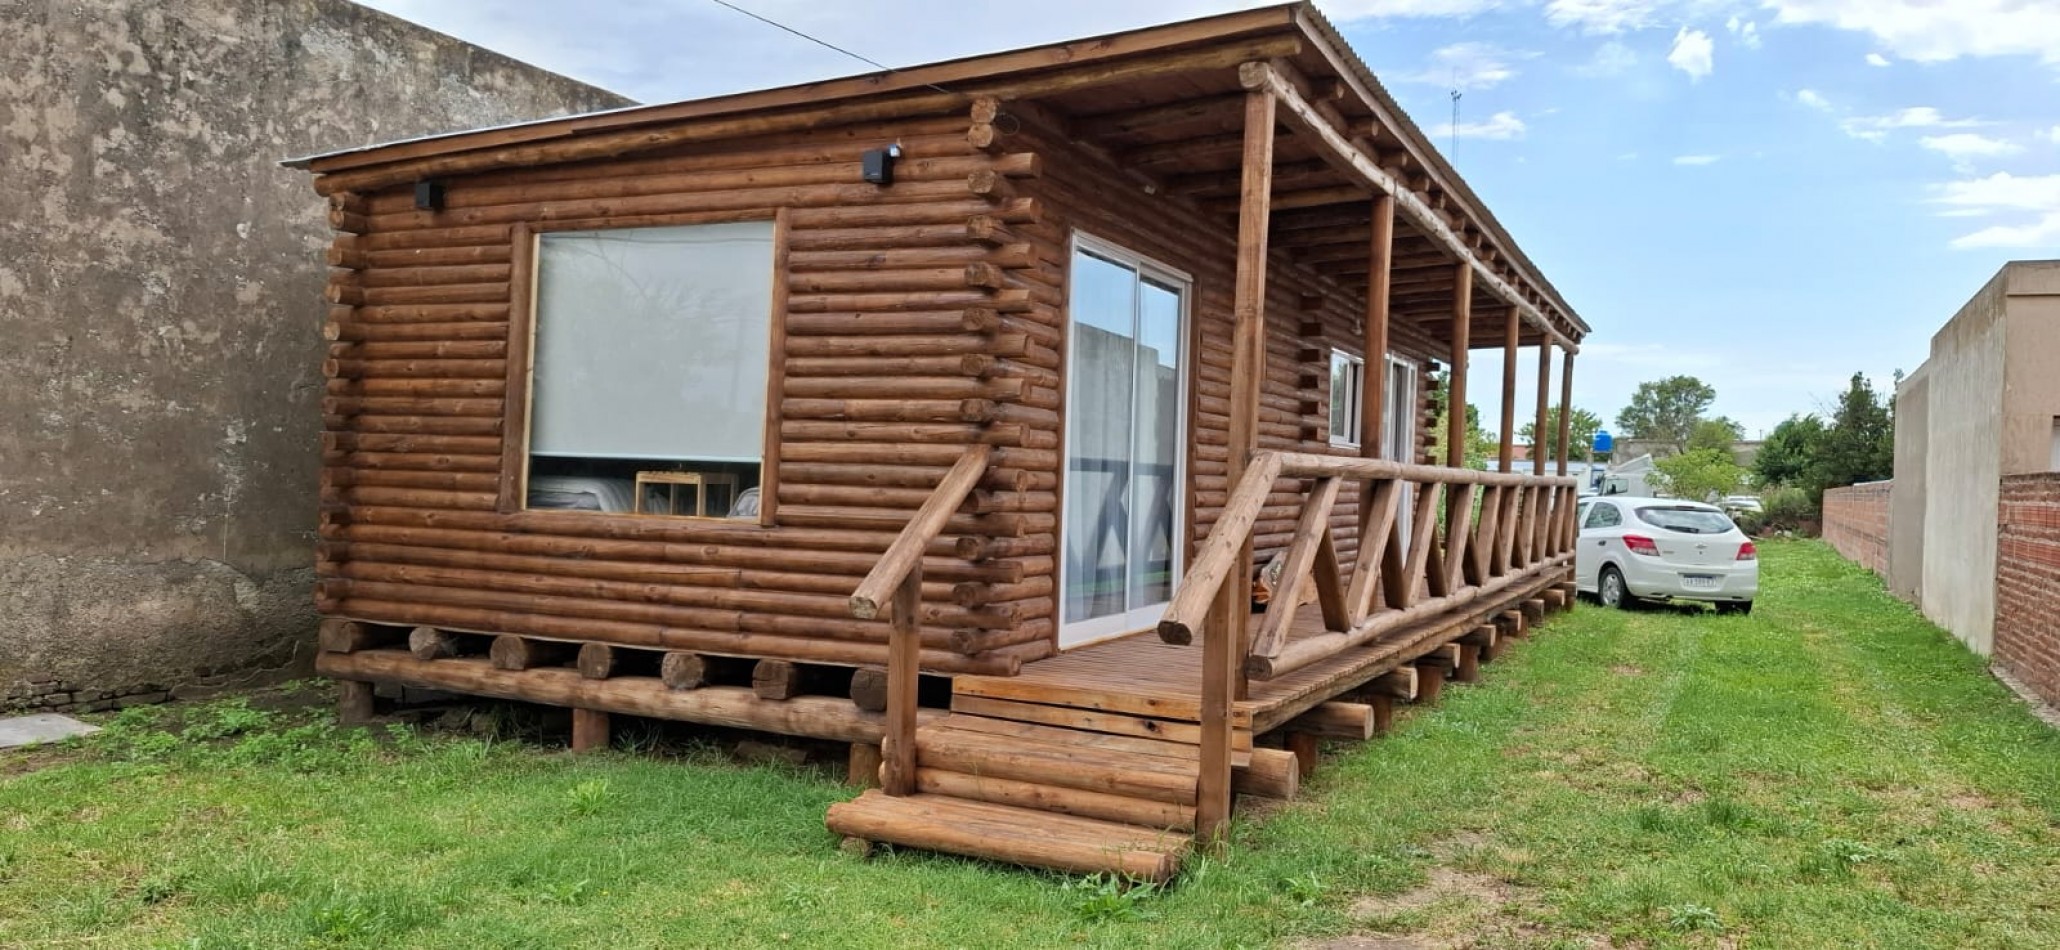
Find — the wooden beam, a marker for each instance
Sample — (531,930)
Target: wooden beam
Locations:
(904,662)
(1566,410)
(1455,389)
(1509,343)
(1224,643)
(1544,410)
(1300,116)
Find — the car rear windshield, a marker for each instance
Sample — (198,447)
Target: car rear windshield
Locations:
(1685,520)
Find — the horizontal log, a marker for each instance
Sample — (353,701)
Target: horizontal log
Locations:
(917,323)
(1335,720)
(735,707)
(354,330)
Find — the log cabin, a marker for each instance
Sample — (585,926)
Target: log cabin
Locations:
(1052,426)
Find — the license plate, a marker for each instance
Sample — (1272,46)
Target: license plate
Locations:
(1699,581)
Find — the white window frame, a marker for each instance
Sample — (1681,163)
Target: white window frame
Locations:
(1086,632)
(1400,410)
(1353,399)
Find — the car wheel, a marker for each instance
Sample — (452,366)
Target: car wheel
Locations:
(1612,592)
(1735,607)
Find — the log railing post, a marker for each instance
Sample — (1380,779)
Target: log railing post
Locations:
(1455,390)
(1542,539)
(1509,344)
(1568,530)
(904,660)
(897,581)
(1223,646)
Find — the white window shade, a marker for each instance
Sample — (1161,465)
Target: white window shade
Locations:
(651,343)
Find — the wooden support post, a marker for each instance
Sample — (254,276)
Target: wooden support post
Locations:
(1383,714)
(904,659)
(1455,389)
(589,730)
(1534,611)
(1374,381)
(1547,498)
(1430,682)
(1566,411)
(777,679)
(1223,648)
(684,670)
(1469,668)
(1514,624)
(429,643)
(511,652)
(863,767)
(1305,746)
(1510,332)
(353,702)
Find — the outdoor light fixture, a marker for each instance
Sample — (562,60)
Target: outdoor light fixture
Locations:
(429,196)
(879,164)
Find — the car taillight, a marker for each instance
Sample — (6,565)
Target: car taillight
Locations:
(1746,552)
(1640,544)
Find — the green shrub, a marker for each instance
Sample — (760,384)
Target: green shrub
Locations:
(1787,508)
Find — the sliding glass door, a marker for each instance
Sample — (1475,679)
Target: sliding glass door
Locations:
(1125,405)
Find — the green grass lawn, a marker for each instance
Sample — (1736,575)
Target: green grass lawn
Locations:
(1829,772)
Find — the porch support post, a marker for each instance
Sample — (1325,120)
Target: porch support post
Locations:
(1374,381)
(1566,408)
(1455,390)
(1223,639)
(1509,338)
(1543,498)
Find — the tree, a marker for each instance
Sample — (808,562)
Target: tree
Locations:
(1666,410)
(1859,445)
(1716,433)
(1788,456)
(1697,475)
(1584,426)
(1480,448)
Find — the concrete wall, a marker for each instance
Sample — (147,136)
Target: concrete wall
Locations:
(1962,466)
(2028,582)
(1856,523)
(2031,369)
(160,292)
(1906,526)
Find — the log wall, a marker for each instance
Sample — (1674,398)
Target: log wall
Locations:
(919,319)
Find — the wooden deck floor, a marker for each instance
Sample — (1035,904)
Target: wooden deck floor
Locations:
(1139,675)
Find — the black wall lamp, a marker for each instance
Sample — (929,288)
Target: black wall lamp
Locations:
(878,164)
(429,196)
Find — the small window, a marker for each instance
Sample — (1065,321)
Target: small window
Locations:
(1347,397)
(649,367)
(1603,516)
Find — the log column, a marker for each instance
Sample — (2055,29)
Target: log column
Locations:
(1373,382)
(1541,523)
(1224,636)
(1568,530)
(1511,326)
(1455,390)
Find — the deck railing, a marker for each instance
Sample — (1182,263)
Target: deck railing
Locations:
(1470,535)
(894,589)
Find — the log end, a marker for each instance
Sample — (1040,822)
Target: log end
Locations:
(864,608)
(1175,632)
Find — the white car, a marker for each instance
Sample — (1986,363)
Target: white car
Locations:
(1634,549)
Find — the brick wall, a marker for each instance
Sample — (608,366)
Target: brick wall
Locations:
(1856,523)
(2028,582)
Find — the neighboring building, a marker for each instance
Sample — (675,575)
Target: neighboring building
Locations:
(1983,407)
(1000,344)
(160,293)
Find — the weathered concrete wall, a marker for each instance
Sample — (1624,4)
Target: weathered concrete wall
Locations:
(1906,502)
(1856,523)
(1962,463)
(160,297)
(2031,369)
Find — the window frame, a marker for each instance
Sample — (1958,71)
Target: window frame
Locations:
(525,243)
(1354,400)
(1098,629)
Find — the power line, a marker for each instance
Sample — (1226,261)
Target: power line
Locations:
(876,64)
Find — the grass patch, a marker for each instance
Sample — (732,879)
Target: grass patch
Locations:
(1829,772)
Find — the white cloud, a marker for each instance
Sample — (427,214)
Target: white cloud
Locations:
(1605,16)
(1692,53)
(1931,30)
(1502,126)
(1611,59)
(1875,128)
(1371,9)
(1697,159)
(2054,134)
(1748,32)
(1469,66)
(1963,147)
(2003,193)
(1876,59)
(1813,99)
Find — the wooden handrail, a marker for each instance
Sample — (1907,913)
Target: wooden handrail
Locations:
(1218,552)
(898,581)
(907,550)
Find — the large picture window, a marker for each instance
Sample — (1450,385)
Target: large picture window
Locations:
(649,365)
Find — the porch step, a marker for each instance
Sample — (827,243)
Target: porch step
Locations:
(1033,837)
(1066,758)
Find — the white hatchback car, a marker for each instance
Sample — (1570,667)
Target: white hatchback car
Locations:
(1664,548)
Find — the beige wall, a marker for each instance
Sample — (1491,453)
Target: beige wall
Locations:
(1981,407)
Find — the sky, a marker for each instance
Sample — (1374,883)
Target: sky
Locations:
(1770,195)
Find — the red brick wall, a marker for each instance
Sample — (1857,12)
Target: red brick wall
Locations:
(1856,524)
(2028,582)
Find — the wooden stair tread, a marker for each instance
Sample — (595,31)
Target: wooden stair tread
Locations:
(1078,739)
(1085,767)
(1008,833)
